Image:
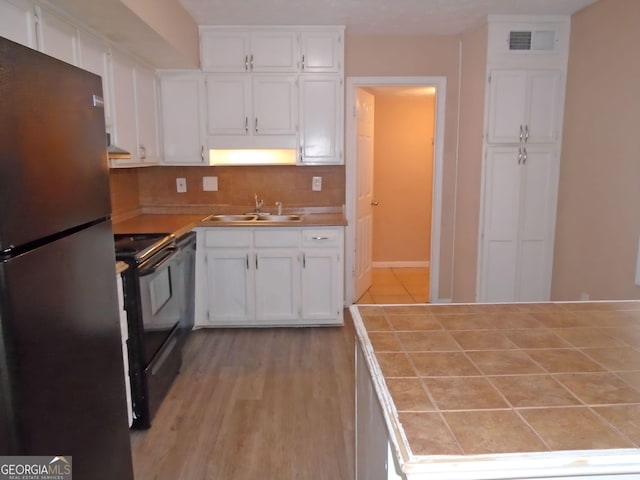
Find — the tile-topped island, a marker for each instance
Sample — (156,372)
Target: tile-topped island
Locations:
(482,391)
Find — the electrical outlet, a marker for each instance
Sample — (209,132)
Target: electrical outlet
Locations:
(316,184)
(210,184)
(181,185)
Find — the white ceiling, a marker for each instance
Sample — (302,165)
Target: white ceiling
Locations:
(373,17)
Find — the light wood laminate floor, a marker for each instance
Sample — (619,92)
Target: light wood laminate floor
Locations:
(256,404)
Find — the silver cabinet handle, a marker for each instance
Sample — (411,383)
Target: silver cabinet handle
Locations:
(246,63)
(375,203)
(319,238)
(519,155)
(247,261)
(256,261)
(520,132)
(304,260)
(246,124)
(302,62)
(524,155)
(251,62)
(301,158)
(526,133)
(256,124)
(202,153)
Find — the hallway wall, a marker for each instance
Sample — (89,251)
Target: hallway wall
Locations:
(403,179)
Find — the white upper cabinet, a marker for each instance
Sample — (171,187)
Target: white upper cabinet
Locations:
(524,106)
(321,105)
(183,117)
(232,50)
(57,37)
(17,22)
(252,111)
(321,51)
(135,123)
(95,58)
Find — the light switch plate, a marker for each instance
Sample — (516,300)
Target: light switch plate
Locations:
(316,184)
(181,185)
(210,184)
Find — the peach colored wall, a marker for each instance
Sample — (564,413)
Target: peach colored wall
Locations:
(403,176)
(598,220)
(472,93)
(419,56)
(236,186)
(172,22)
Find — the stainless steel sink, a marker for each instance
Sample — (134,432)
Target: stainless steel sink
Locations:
(230,218)
(279,218)
(245,218)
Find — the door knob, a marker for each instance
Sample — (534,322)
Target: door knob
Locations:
(374,203)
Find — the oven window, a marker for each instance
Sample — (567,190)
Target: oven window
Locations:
(160,289)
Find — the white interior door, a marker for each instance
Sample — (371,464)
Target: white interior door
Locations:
(364,190)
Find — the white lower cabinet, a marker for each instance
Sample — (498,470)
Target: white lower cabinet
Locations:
(269,276)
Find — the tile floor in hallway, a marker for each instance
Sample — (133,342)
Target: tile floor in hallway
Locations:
(398,285)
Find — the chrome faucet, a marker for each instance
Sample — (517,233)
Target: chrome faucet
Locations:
(279,205)
(259,202)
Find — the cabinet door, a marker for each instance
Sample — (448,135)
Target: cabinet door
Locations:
(320,283)
(518,226)
(321,106)
(230,286)
(224,51)
(538,199)
(146,101)
(544,105)
(57,37)
(320,52)
(182,100)
(17,22)
(277,285)
(507,106)
(500,230)
(229,105)
(274,105)
(94,57)
(273,52)
(124,104)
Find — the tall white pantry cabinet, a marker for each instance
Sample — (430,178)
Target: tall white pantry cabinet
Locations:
(526,75)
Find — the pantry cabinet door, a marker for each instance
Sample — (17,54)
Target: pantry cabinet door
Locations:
(507,106)
(544,106)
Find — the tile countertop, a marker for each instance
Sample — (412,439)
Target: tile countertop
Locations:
(507,390)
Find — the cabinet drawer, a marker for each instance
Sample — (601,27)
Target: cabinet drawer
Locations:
(321,238)
(228,237)
(277,238)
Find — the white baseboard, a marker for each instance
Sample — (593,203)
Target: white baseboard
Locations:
(400,264)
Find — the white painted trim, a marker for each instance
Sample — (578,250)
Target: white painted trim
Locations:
(400,264)
(440,82)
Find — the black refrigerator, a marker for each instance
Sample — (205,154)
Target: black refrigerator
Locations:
(62,390)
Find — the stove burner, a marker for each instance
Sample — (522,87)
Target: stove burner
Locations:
(132,244)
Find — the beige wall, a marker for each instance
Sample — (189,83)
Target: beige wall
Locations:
(403,176)
(469,171)
(419,56)
(598,221)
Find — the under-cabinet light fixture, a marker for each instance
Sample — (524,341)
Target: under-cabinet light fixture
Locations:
(252,157)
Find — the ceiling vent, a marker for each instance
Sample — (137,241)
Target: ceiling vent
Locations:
(532,41)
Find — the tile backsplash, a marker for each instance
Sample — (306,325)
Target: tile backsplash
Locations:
(132,189)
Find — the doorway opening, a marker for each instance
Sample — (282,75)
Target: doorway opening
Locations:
(407,203)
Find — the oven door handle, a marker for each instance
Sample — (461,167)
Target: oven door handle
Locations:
(156,264)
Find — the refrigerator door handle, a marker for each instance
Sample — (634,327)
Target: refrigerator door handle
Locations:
(98,101)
